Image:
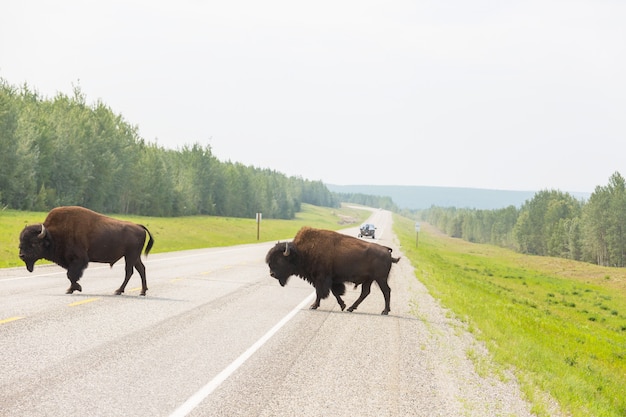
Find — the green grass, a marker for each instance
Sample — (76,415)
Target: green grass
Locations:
(181,233)
(560,324)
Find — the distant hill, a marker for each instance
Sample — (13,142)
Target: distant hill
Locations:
(422,197)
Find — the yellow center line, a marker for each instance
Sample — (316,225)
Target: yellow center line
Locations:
(88,300)
(10,319)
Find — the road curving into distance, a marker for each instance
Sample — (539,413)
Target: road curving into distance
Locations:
(217,336)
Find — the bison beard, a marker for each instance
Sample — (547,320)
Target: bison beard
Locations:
(328,259)
(74,236)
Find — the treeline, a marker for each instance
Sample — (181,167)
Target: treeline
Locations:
(62,151)
(552,223)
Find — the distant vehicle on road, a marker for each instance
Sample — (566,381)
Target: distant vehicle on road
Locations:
(368,229)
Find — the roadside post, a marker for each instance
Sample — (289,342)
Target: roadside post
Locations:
(258,225)
(417,233)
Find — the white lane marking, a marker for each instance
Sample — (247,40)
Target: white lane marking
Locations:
(32,276)
(206,390)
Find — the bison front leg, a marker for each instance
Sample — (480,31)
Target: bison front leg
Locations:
(74,272)
(74,286)
(322,289)
(316,304)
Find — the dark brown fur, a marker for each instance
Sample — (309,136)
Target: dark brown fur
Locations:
(328,259)
(75,236)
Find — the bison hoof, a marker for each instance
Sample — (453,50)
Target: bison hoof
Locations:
(313,307)
(351,309)
(385,312)
(119,292)
(343,307)
(74,287)
(143,293)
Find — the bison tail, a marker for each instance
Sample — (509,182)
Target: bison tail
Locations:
(394,260)
(150,242)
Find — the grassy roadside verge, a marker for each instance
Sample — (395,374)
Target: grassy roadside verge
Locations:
(181,233)
(560,324)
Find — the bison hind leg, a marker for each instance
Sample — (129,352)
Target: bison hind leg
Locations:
(365,290)
(339,289)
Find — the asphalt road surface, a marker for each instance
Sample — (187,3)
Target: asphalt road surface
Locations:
(217,336)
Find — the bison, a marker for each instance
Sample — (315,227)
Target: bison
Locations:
(74,236)
(328,259)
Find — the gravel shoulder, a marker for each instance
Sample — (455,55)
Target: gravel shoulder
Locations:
(459,385)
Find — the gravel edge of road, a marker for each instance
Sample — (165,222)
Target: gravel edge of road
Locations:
(485,388)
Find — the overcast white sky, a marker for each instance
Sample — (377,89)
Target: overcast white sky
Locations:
(515,95)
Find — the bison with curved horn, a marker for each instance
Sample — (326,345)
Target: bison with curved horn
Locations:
(74,236)
(328,260)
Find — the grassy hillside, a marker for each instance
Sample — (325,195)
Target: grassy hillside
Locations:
(560,324)
(180,233)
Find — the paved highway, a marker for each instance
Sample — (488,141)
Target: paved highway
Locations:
(217,336)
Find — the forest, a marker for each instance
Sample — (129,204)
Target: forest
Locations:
(552,223)
(63,151)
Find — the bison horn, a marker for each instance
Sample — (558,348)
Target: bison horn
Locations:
(286,252)
(42,234)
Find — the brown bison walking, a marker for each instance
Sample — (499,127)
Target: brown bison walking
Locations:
(328,259)
(74,236)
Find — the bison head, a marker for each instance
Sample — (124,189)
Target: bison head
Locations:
(282,260)
(34,245)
